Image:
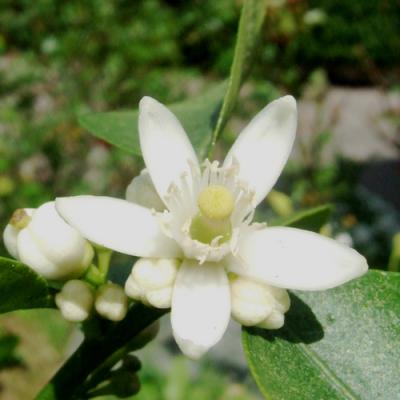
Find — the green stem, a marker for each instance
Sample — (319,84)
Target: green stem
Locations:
(250,24)
(94,276)
(104,257)
(94,351)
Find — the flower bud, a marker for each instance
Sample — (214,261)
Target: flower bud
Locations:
(75,300)
(151,281)
(259,304)
(251,303)
(142,191)
(111,302)
(46,243)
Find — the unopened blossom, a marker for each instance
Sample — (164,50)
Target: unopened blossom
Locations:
(41,239)
(207,231)
(111,302)
(152,281)
(75,300)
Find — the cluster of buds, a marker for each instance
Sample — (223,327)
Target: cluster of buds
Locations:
(77,299)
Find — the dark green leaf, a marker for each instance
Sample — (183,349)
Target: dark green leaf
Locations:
(343,343)
(251,21)
(311,220)
(197,115)
(21,288)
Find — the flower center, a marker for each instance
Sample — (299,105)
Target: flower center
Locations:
(20,219)
(216,204)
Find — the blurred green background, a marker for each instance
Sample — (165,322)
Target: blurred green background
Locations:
(62,59)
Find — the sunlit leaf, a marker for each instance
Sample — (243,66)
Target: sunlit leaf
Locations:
(343,343)
(311,220)
(197,115)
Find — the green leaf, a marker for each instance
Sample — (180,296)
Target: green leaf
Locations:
(197,115)
(338,344)
(311,220)
(21,288)
(251,21)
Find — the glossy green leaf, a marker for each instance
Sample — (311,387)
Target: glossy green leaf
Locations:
(251,21)
(197,115)
(311,220)
(21,288)
(343,343)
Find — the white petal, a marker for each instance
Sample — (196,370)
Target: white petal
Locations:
(10,236)
(59,242)
(165,146)
(142,191)
(263,147)
(30,254)
(201,307)
(296,259)
(117,225)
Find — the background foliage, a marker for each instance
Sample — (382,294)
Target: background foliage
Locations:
(60,60)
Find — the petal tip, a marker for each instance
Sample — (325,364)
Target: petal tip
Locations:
(191,349)
(146,103)
(289,101)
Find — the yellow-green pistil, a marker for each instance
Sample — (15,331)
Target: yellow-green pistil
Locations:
(216,204)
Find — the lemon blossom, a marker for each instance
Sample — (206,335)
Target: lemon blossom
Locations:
(218,262)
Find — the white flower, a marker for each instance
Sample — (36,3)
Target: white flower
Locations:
(208,227)
(41,239)
(75,300)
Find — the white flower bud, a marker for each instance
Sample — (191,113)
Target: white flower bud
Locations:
(142,191)
(251,303)
(259,304)
(151,281)
(111,302)
(48,245)
(75,300)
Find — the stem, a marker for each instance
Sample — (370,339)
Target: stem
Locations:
(103,258)
(96,350)
(93,276)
